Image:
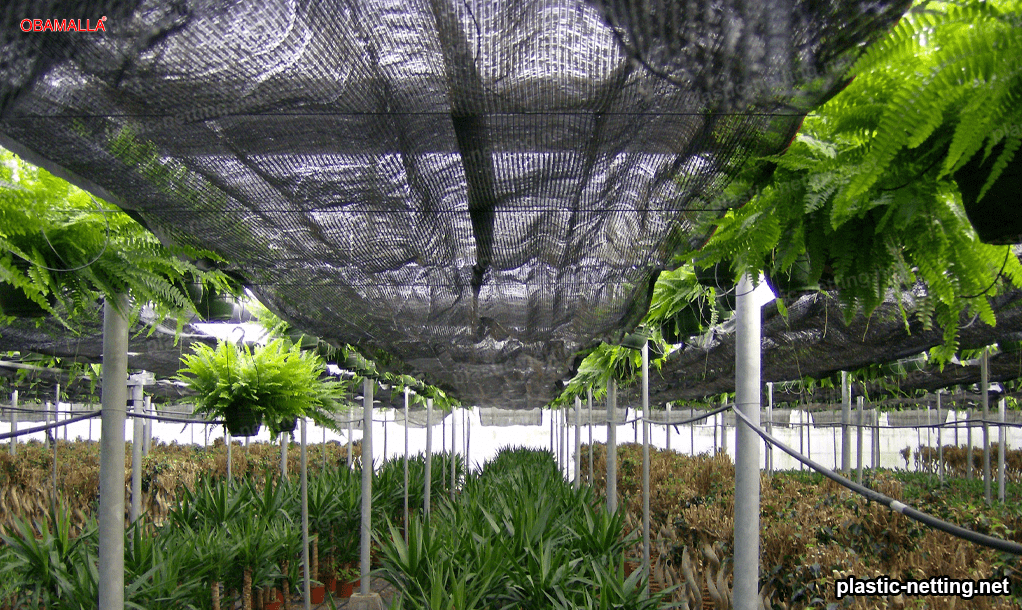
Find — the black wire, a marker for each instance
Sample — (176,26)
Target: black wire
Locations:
(1007,251)
(693,419)
(46,427)
(999,544)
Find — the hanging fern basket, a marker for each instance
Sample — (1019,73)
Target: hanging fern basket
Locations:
(996,216)
(14,301)
(288,425)
(241,419)
(687,322)
(214,307)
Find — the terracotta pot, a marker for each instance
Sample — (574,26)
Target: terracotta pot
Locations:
(331,584)
(346,589)
(318,594)
(275,601)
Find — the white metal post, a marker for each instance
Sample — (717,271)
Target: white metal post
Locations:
(283,456)
(940,440)
(611,447)
(429,455)
(578,442)
(453,454)
(13,448)
(304,475)
(407,390)
(230,447)
(136,450)
(985,391)
(645,463)
(589,398)
(147,407)
(350,444)
(858,478)
(667,426)
(723,427)
(968,440)
(1001,440)
(747,399)
(367,480)
(770,427)
(111,466)
(846,421)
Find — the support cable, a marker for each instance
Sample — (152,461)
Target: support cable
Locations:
(999,544)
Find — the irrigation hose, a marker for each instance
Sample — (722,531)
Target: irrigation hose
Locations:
(999,544)
(45,427)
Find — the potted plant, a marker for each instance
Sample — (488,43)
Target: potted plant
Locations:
(348,577)
(272,384)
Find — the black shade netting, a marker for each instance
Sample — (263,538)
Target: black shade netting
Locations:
(478,188)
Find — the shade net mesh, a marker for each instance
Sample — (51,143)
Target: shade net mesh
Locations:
(813,341)
(477,188)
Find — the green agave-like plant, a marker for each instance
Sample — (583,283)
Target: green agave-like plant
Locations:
(517,536)
(278,382)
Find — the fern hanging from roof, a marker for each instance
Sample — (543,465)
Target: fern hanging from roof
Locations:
(864,196)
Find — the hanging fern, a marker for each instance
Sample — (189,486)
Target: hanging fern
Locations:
(57,241)
(865,197)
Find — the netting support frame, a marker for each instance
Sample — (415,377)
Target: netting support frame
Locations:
(747,400)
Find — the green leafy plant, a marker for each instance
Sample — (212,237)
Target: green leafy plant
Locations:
(63,250)
(277,383)
(866,199)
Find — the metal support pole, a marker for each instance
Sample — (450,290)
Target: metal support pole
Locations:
(747,398)
(383,425)
(645,463)
(875,443)
(306,587)
(1001,440)
(589,398)
(552,450)
(846,421)
(611,447)
(13,448)
(578,442)
(136,450)
(230,443)
(984,389)
(968,440)
(801,436)
(858,440)
(429,455)
(350,444)
(667,426)
(564,440)
(453,455)
(367,481)
(53,435)
(723,427)
(407,390)
(283,456)
(111,465)
(809,432)
(940,441)
(56,417)
(147,407)
(770,427)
